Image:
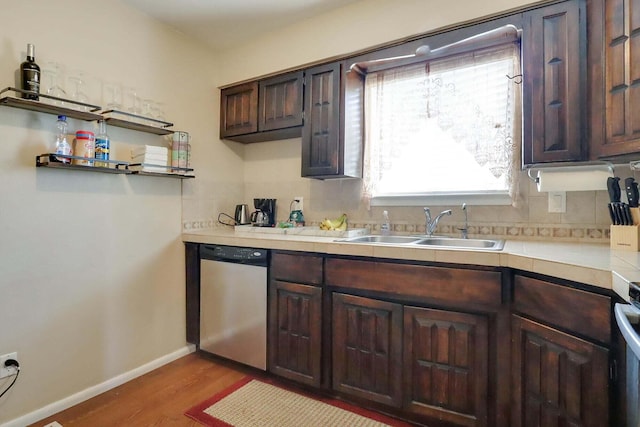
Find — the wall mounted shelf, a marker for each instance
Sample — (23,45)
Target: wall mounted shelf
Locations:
(51,160)
(154,170)
(82,111)
(136,122)
(87,112)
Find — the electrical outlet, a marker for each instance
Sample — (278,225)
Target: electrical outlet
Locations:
(299,203)
(8,371)
(557,202)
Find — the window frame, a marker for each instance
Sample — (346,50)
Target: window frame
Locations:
(436,41)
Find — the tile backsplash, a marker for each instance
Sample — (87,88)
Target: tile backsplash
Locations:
(586,218)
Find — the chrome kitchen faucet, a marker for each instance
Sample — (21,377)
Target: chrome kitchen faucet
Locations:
(430,226)
(465,230)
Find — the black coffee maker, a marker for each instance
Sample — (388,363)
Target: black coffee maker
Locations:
(265,213)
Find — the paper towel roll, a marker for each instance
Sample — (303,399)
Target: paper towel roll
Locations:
(572,179)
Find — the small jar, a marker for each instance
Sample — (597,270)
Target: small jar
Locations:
(84,146)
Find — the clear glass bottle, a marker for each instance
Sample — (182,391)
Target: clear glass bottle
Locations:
(30,75)
(62,145)
(102,145)
(385,227)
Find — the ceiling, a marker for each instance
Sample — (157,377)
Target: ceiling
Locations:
(224,23)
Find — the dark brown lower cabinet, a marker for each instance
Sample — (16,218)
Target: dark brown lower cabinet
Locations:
(367,348)
(295,331)
(440,345)
(557,379)
(446,365)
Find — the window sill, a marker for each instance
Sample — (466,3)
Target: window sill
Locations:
(498,198)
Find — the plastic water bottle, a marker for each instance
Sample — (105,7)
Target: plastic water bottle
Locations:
(62,146)
(102,145)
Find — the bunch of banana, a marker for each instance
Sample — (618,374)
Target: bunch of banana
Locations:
(336,224)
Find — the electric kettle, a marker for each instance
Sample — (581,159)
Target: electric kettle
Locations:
(242,215)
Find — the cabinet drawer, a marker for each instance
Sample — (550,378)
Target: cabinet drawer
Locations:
(296,268)
(437,284)
(572,309)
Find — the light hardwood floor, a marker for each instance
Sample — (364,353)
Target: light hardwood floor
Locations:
(158,398)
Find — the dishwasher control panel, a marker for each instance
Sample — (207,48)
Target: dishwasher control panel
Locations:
(234,254)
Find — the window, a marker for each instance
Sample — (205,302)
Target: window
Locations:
(444,126)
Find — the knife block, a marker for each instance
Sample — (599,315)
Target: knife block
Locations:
(627,237)
(635,215)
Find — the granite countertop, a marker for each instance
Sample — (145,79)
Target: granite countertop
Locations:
(592,264)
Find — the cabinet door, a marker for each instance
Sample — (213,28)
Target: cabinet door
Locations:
(557,379)
(621,112)
(321,132)
(239,110)
(554,83)
(367,348)
(281,102)
(446,365)
(295,331)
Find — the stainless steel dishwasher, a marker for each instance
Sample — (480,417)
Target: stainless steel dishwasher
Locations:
(233,303)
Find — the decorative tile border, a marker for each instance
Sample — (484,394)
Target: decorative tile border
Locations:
(202,224)
(541,232)
(564,233)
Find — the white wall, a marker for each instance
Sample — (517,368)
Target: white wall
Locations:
(92,265)
(349,29)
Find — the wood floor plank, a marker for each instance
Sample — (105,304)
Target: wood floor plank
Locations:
(158,398)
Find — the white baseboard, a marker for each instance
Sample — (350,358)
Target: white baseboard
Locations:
(97,389)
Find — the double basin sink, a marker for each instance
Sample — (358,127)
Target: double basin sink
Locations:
(428,242)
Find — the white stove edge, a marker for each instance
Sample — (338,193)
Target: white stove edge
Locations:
(620,282)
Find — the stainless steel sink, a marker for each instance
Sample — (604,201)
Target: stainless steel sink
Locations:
(381,239)
(432,242)
(445,242)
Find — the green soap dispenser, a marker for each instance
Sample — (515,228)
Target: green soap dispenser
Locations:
(296,217)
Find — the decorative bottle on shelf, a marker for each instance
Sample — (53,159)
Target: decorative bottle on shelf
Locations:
(102,145)
(385,227)
(62,146)
(30,75)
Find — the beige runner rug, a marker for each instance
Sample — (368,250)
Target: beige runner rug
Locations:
(254,403)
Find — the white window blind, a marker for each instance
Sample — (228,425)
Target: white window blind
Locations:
(444,126)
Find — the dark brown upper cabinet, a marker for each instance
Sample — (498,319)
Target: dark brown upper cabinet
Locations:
(614,34)
(554,83)
(264,110)
(332,136)
(280,102)
(239,110)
